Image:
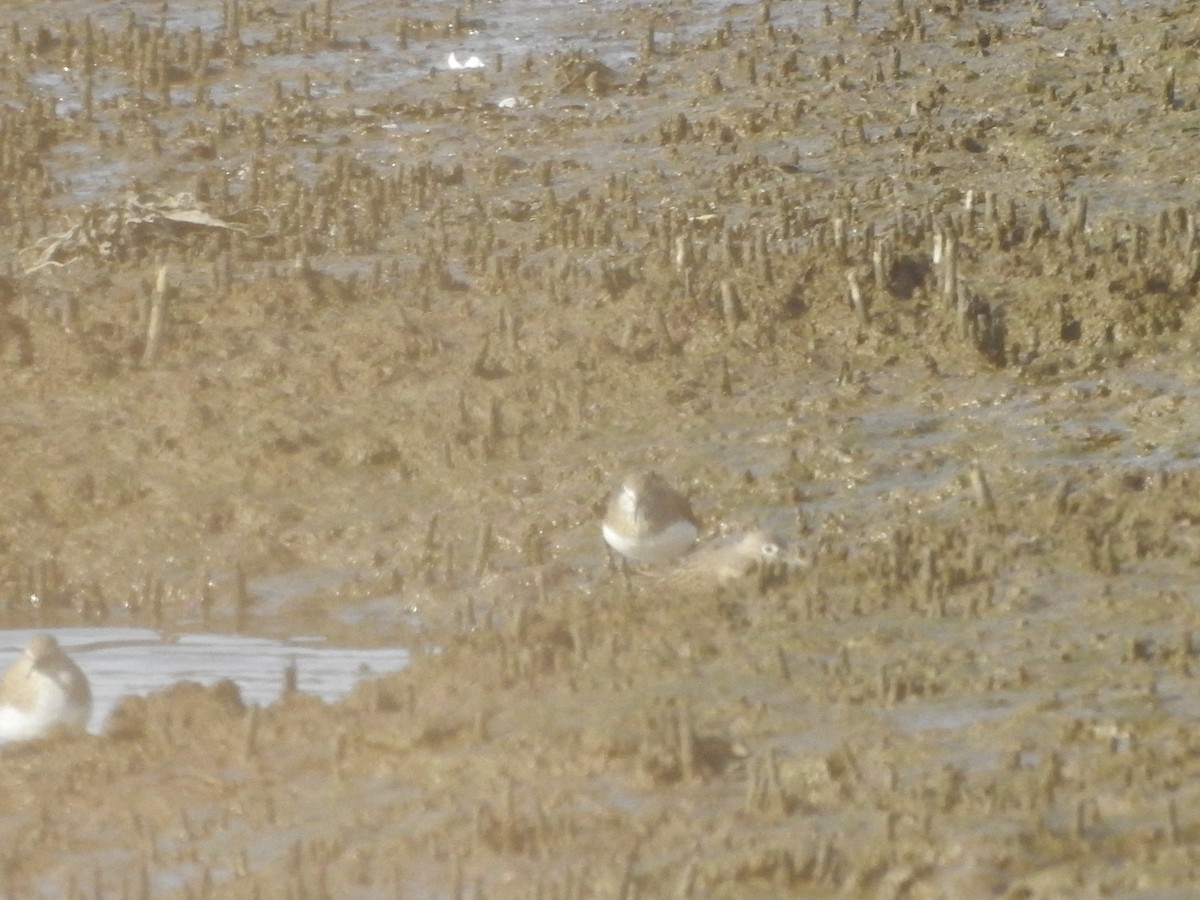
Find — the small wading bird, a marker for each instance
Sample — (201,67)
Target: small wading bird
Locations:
(648,521)
(757,551)
(41,691)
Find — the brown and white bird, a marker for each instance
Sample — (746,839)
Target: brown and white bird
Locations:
(729,561)
(42,690)
(648,521)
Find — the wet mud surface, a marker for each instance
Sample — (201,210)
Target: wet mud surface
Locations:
(306,334)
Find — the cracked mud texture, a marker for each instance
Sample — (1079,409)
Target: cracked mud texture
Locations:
(916,287)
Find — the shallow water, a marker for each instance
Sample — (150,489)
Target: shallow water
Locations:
(373,68)
(123,661)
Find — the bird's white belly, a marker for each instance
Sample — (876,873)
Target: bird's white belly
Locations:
(673,540)
(52,708)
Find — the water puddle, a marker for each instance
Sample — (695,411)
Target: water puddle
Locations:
(363,65)
(123,661)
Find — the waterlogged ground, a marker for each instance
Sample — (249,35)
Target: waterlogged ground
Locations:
(307,335)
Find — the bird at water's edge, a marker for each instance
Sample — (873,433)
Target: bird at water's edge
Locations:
(42,690)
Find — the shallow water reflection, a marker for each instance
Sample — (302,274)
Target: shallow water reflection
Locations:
(121,661)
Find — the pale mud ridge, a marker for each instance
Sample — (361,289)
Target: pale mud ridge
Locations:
(419,338)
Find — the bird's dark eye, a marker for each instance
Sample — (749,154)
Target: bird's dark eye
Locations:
(769,550)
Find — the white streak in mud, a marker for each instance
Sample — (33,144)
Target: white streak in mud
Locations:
(473,62)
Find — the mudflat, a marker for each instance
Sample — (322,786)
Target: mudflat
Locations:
(912,286)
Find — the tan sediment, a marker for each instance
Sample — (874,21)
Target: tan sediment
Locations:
(913,285)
